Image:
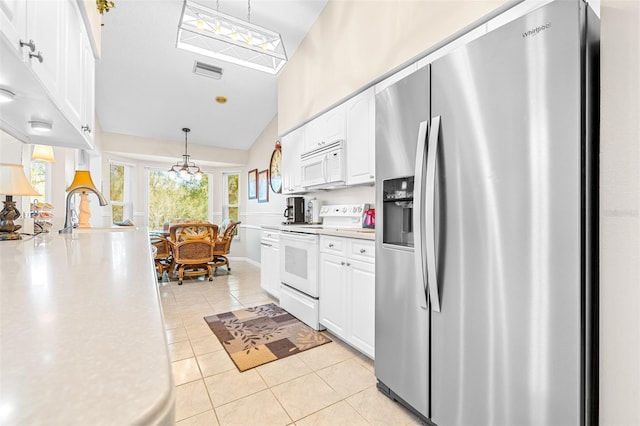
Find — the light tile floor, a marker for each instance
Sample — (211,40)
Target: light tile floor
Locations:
(332,384)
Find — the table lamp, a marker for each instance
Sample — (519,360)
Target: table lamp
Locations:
(43,153)
(82,182)
(13,181)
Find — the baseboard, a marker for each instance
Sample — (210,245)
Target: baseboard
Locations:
(245,259)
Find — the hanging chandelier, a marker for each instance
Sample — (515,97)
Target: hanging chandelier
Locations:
(212,33)
(188,169)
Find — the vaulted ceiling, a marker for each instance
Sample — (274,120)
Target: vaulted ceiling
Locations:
(146,87)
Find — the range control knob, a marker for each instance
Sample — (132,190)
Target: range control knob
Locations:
(344,210)
(359,209)
(355,209)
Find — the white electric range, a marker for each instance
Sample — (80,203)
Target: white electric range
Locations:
(299,260)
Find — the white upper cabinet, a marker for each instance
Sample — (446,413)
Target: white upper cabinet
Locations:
(89,105)
(73,102)
(292,145)
(46,26)
(47,60)
(79,76)
(327,128)
(13,22)
(360,138)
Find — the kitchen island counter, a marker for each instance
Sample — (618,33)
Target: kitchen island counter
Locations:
(82,335)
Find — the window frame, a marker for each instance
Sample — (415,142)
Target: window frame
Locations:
(225,205)
(127,193)
(47,182)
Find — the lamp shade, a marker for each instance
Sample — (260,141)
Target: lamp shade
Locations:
(13,181)
(82,178)
(43,153)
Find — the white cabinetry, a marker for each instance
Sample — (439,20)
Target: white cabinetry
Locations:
(347,290)
(292,145)
(361,133)
(270,262)
(327,128)
(79,94)
(46,26)
(49,63)
(13,22)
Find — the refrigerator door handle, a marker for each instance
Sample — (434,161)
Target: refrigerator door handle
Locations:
(418,214)
(430,202)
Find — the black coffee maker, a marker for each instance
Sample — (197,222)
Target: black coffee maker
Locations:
(294,212)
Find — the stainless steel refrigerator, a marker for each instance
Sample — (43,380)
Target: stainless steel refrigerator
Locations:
(486,250)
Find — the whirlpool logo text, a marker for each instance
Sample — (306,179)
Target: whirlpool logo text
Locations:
(537,30)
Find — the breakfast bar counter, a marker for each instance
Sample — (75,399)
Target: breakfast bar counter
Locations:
(82,338)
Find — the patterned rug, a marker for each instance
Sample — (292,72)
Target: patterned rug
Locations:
(261,334)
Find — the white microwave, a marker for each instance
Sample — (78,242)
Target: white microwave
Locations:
(324,167)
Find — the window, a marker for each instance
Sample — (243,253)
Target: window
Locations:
(230,207)
(40,181)
(120,193)
(171,199)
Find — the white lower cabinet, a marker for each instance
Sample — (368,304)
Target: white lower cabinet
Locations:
(270,263)
(347,290)
(333,294)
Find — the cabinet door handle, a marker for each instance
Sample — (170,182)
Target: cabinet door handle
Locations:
(330,246)
(31,45)
(342,263)
(86,128)
(362,251)
(348,264)
(39,56)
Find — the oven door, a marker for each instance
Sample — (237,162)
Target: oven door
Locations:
(299,262)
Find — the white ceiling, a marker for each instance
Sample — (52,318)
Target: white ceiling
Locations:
(145,86)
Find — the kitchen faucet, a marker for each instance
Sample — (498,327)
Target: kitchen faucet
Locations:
(68,227)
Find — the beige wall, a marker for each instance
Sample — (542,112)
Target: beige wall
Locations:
(619,214)
(355,42)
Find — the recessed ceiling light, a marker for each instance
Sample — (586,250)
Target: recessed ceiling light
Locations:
(221,99)
(41,126)
(6,96)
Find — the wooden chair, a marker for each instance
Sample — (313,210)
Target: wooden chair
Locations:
(192,245)
(162,258)
(223,245)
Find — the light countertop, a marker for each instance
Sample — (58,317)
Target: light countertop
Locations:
(361,233)
(82,338)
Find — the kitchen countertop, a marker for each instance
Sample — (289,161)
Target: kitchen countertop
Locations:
(82,334)
(361,233)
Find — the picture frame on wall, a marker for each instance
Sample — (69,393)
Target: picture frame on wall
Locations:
(252,184)
(263,186)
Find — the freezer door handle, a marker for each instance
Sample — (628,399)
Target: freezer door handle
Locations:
(418,219)
(430,202)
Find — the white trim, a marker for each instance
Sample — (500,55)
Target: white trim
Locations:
(245,259)
(257,227)
(274,214)
(122,163)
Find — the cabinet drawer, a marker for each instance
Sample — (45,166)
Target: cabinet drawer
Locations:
(362,250)
(333,245)
(273,236)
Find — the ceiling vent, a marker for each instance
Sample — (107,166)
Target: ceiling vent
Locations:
(207,70)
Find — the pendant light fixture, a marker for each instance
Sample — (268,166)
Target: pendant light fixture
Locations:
(187,170)
(212,33)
